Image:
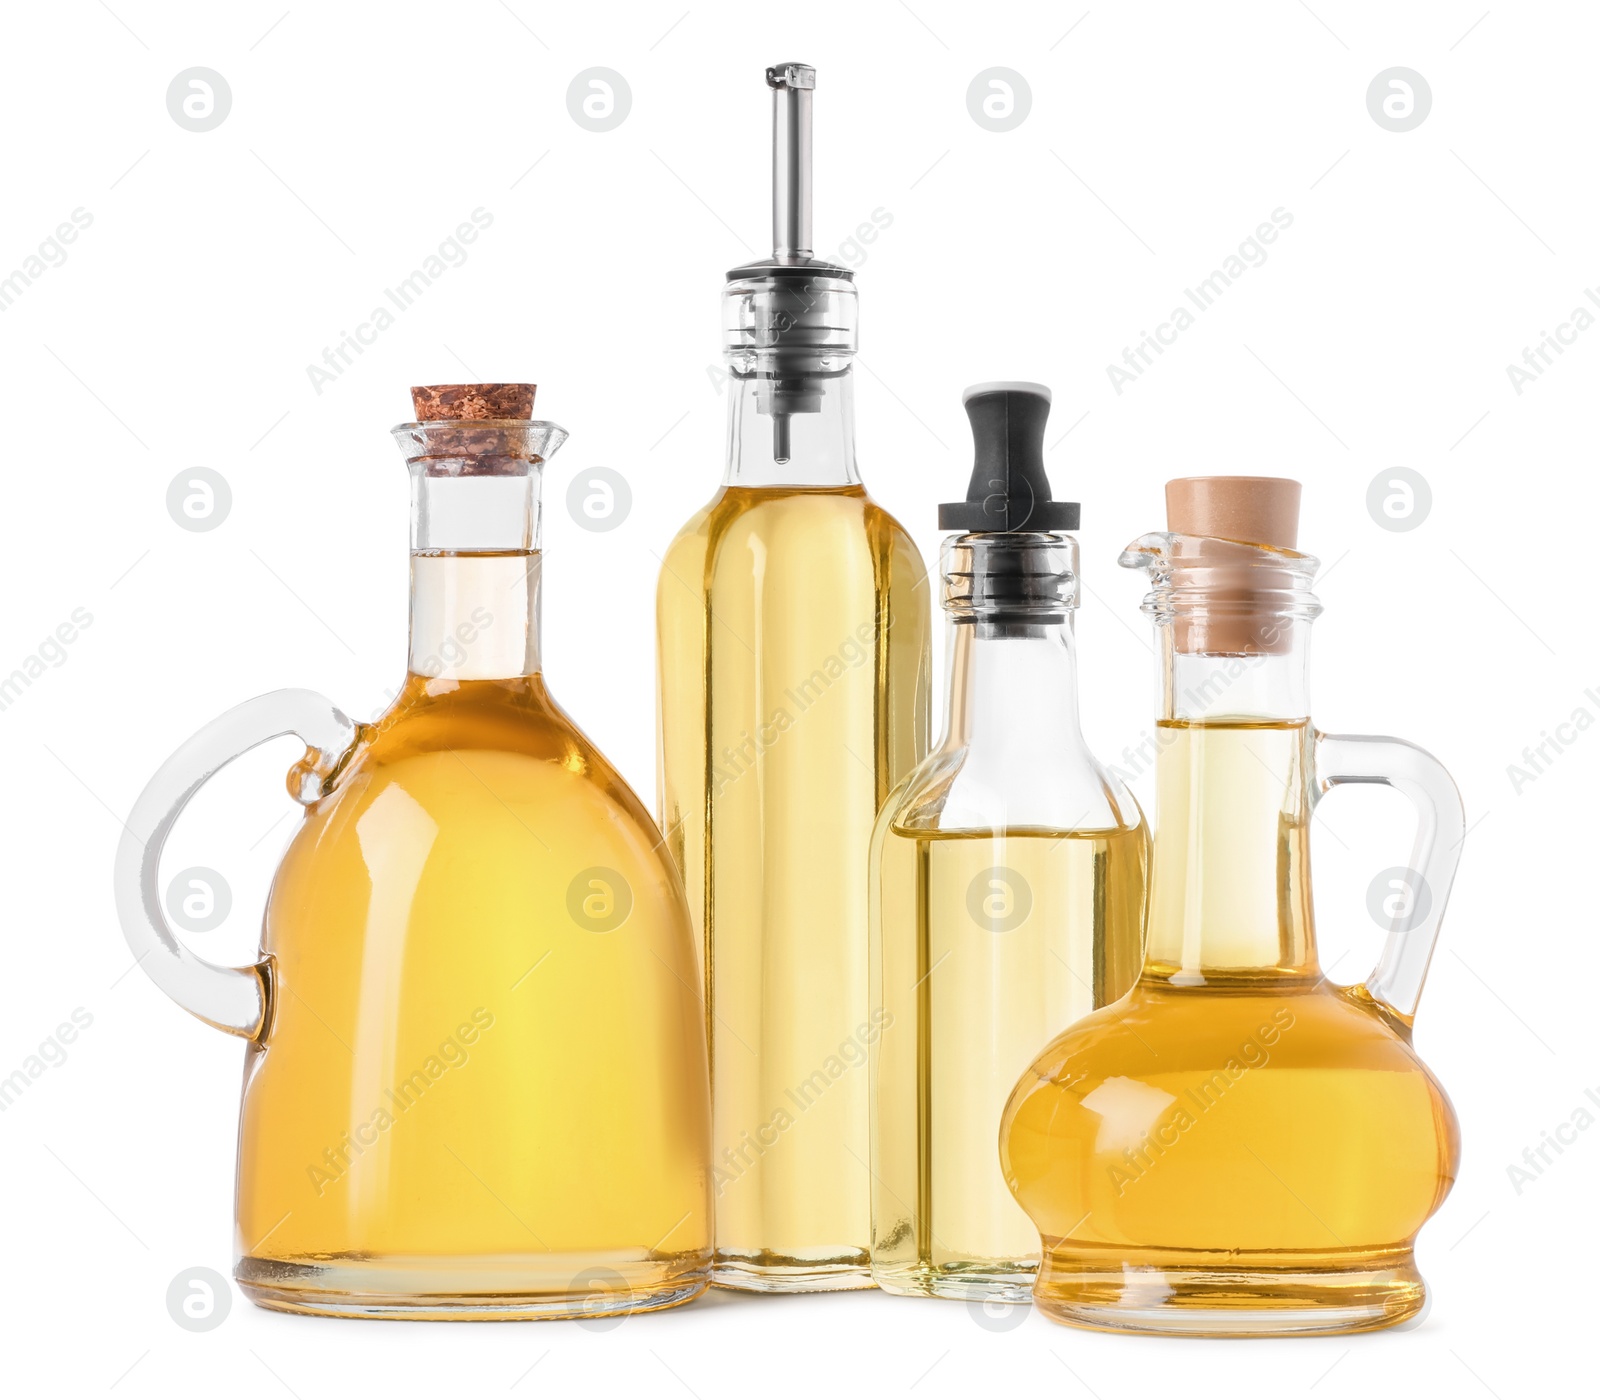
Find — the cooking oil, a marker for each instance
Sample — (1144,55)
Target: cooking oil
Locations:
(477,1089)
(1017,934)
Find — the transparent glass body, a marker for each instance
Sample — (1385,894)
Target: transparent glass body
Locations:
(478,1086)
(792,626)
(1239,1146)
(1007,884)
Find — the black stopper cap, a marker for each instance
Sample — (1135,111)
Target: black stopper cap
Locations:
(1009,490)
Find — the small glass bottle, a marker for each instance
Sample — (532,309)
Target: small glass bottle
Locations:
(1008,879)
(792,626)
(1239,1146)
(475,1078)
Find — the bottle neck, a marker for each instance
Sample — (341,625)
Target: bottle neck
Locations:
(1013,691)
(1012,747)
(475,575)
(1230,893)
(792,432)
(475,616)
(1261,684)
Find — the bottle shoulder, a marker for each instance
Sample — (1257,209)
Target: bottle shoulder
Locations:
(890,526)
(956,788)
(511,738)
(694,530)
(738,510)
(1287,1022)
(814,542)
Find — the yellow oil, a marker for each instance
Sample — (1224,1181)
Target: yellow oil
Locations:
(989,944)
(1237,1146)
(793,634)
(483,1090)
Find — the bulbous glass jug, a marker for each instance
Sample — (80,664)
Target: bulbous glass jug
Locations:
(1239,1146)
(475,1078)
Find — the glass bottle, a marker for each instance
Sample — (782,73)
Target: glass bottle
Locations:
(1008,878)
(1239,1146)
(475,1079)
(793,645)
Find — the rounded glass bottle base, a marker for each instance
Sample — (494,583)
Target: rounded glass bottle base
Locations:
(773,1274)
(1281,1298)
(472,1290)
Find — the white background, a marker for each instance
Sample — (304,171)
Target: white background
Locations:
(218,265)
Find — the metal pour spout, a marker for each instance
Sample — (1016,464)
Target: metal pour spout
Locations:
(792,85)
(789,321)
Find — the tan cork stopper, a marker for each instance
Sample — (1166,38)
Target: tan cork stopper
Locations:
(454,403)
(1241,611)
(1255,509)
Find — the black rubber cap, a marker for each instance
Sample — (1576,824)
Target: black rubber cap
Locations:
(1009,490)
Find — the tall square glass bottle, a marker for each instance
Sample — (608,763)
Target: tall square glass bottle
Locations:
(793,634)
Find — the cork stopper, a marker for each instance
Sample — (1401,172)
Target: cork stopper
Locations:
(1234,596)
(1262,510)
(476,430)
(455,403)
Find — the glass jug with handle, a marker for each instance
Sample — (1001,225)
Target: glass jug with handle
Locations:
(475,1081)
(1239,1146)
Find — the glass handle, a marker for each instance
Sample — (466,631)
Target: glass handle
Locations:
(1420,892)
(231,998)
